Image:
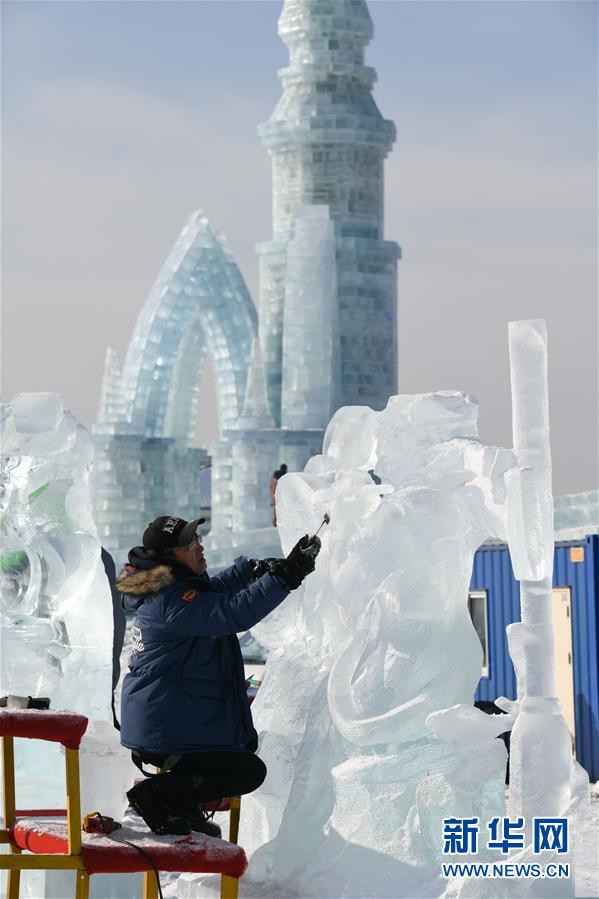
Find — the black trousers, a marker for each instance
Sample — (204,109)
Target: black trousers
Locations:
(205,776)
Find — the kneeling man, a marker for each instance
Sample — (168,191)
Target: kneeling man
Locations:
(184,706)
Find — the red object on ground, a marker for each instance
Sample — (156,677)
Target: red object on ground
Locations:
(56,726)
(102,854)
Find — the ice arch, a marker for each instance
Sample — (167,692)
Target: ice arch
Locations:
(199,302)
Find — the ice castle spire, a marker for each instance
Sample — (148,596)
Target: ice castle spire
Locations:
(328,142)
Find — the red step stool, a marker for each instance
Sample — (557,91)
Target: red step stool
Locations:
(56,843)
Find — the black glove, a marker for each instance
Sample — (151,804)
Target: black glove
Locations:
(262,566)
(299,563)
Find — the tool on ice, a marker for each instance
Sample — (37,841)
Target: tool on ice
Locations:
(325,520)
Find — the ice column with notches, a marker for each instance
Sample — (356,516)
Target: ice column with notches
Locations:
(311,374)
(541,749)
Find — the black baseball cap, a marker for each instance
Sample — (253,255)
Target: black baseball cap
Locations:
(168,532)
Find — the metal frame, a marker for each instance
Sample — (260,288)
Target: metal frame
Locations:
(73,860)
(16,861)
(229,886)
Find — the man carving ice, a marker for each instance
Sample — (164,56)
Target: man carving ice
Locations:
(184,706)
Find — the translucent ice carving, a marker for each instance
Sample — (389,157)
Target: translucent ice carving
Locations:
(56,608)
(365,715)
(365,758)
(540,731)
(50,555)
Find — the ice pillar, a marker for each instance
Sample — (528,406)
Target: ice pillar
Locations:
(541,751)
(530,424)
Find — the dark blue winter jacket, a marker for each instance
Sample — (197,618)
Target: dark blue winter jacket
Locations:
(185,690)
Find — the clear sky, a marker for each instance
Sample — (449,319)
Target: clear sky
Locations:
(120,118)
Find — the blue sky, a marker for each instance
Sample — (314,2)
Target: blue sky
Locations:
(120,118)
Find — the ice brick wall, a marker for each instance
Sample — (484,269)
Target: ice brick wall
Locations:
(200,289)
(138,478)
(255,456)
(311,335)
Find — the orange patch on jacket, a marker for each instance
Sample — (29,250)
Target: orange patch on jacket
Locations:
(189,595)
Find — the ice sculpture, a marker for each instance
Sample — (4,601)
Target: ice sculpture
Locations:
(368,752)
(51,560)
(540,732)
(365,716)
(310,380)
(56,607)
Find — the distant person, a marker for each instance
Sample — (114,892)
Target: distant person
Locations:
(184,705)
(276,477)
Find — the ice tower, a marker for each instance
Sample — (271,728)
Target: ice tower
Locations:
(328,141)
(327,331)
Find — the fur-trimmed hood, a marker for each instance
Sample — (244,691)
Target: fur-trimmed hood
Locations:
(140,583)
(148,571)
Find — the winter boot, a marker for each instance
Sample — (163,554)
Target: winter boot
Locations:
(186,797)
(152,801)
(201,822)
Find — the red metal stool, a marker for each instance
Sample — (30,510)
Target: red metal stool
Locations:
(56,843)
